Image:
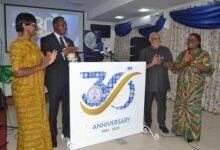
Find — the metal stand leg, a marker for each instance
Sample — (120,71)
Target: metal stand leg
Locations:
(146,129)
(69,145)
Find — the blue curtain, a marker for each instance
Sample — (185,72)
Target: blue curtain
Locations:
(145,31)
(123,29)
(201,17)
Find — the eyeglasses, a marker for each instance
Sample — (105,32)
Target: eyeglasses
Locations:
(155,38)
(31,24)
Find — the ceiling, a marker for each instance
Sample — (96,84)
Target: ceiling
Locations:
(106,10)
(103,10)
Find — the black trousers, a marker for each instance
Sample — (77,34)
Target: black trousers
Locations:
(161,107)
(57,94)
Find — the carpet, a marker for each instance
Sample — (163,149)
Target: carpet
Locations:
(3,128)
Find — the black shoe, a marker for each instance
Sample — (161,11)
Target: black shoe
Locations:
(164,129)
(189,140)
(54,143)
(66,133)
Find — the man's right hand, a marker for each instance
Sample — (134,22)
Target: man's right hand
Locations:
(156,60)
(69,49)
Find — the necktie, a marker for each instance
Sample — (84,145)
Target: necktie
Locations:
(62,46)
(62,43)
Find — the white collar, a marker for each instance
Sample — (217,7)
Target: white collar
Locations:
(58,36)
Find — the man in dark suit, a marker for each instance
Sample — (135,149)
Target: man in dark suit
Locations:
(57,76)
(157,80)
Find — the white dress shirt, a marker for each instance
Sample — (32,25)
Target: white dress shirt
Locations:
(65,43)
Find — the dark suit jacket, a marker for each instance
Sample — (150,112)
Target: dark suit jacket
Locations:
(157,76)
(57,74)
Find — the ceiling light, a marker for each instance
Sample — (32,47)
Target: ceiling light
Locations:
(119,17)
(144,10)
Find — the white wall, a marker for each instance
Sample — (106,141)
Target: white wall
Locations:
(4,56)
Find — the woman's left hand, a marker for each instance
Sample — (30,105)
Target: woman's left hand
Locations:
(187,57)
(52,56)
(199,65)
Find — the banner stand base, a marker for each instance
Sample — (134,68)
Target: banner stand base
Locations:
(146,130)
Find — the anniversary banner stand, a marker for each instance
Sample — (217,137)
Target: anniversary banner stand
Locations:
(106,102)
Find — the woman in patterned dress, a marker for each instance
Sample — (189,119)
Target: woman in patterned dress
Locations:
(28,64)
(193,65)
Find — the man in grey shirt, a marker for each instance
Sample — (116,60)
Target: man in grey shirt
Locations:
(157,80)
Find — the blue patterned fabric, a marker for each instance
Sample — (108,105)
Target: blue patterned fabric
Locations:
(201,17)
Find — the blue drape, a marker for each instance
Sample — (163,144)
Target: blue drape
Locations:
(145,31)
(201,17)
(123,29)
